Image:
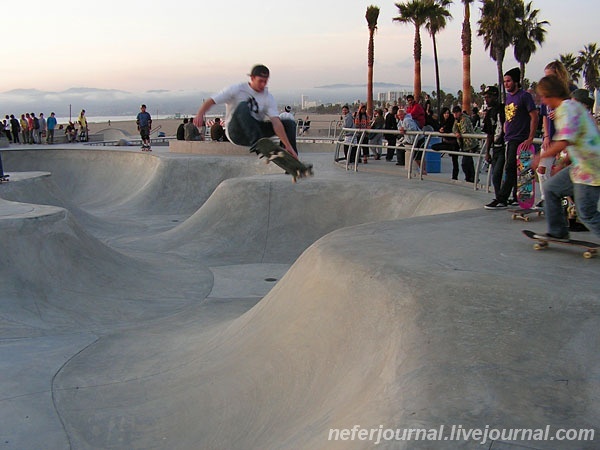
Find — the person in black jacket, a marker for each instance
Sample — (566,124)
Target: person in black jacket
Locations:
(391,124)
(181,130)
(448,143)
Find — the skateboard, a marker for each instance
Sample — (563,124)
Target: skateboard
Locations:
(523,214)
(268,149)
(541,243)
(4,178)
(146,148)
(525,178)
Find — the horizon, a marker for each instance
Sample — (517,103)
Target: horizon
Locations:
(303,50)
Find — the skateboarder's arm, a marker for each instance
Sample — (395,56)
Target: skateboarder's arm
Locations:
(199,119)
(280,132)
(552,150)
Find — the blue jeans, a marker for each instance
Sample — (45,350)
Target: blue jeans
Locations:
(243,129)
(586,202)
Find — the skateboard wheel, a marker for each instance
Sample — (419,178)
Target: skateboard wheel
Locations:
(514,217)
(588,255)
(540,246)
(526,219)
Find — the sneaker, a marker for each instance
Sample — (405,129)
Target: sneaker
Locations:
(546,236)
(540,204)
(512,202)
(495,204)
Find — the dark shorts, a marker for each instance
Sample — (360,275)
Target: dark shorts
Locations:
(145,132)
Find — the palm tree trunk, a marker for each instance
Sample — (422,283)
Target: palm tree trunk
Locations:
(417,55)
(371,58)
(437,75)
(466,50)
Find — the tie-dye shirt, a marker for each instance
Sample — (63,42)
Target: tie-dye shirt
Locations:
(575,125)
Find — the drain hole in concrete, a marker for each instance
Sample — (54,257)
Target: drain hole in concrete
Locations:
(270,280)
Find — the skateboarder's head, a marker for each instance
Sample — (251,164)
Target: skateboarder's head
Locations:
(259,76)
(552,91)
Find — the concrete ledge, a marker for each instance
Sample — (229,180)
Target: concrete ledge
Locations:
(207,148)
(227,148)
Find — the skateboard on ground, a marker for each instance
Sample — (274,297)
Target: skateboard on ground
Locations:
(541,243)
(525,178)
(4,178)
(266,148)
(523,214)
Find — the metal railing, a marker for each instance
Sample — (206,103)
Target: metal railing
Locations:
(359,138)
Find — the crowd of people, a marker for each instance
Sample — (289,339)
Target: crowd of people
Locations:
(566,165)
(32,129)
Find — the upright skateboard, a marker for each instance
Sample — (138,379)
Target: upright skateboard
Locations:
(266,148)
(544,242)
(525,178)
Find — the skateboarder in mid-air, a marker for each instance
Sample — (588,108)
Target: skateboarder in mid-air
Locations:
(251,113)
(144,124)
(577,133)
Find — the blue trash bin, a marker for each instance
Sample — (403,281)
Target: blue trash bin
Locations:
(433,160)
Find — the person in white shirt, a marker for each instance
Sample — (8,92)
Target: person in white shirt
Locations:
(251,113)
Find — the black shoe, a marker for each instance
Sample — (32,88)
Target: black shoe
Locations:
(512,202)
(495,204)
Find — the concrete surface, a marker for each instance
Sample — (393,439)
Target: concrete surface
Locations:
(200,302)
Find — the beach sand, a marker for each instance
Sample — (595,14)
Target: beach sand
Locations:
(319,124)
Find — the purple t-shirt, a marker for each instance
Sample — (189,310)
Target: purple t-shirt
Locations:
(517,109)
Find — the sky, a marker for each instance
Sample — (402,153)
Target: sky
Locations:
(137,46)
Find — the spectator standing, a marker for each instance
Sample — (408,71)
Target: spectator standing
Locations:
(391,123)
(41,131)
(519,131)
(464,125)
(83,126)
(7,128)
(349,136)
(144,125)
(376,139)
(15,128)
(448,143)
(493,126)
(25,128)
(51,123)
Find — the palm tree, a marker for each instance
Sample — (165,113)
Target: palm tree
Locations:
(372,15)
(497,26)
(465,38)
(435,23)
(529,34)
(572,65)
(589,60)
(415,12)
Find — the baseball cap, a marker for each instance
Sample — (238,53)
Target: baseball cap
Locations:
(583,96)
(288,108)
(260,71)
(491,90)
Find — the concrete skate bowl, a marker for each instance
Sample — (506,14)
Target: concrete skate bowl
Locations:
(385,323)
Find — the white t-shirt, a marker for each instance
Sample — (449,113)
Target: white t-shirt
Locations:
(262,104)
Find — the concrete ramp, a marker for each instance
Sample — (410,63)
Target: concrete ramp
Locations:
(399,334)
(170,301)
